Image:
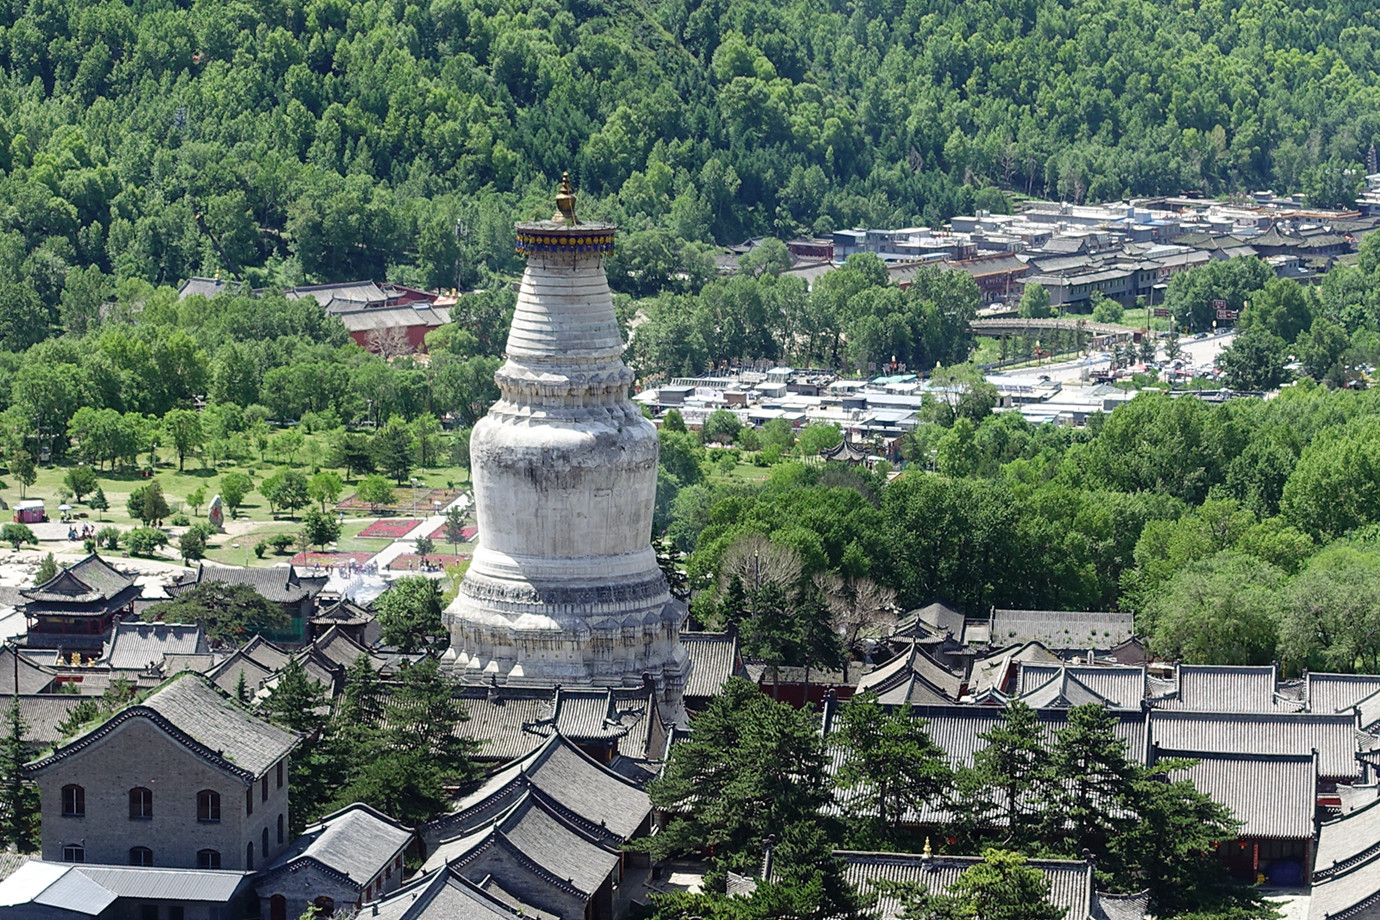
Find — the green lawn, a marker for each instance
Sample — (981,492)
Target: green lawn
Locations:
(176,485)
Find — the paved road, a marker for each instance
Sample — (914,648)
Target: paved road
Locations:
(1193,351)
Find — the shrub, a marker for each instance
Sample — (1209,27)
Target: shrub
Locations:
(260,548)
(192,545)
(204,530)
(179,520)
(281,541)
(109,537)
(145,541)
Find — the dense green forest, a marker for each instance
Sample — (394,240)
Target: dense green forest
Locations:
(1241,533)
(322,139)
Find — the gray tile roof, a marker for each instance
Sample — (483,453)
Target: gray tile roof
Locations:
(1346,842)
(375,318)
(266,653)
(511,721)
(1120,906)
(1061,629)
(135,645)
(226,675)
(359,292)
(1122,687)
(446,895)
(90,580)
(912,677)
(31,677)
(342,611)
(1333,736)
(1338,692)
(280,584)
(1070,880)
(991,671)
(10,863)
(1062,691)
(547,846)
(714,659)
(955,728)
(1274,796)
(335,646)
(938,616)
(204,720)
(1354,893)
(1368,712)
(42,714)
(586,789)
(356,841)
(192,704)
(1227,688)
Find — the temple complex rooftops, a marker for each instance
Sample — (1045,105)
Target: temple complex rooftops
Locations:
(280,584)
(559,770)
(1070,881)
(356,841)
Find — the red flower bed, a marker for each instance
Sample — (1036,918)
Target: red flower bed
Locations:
(467,533)
(330,559)
(391,528)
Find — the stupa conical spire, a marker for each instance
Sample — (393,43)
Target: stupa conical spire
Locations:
(564,584)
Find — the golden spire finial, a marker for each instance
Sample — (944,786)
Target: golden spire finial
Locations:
(928,851)
(565,202)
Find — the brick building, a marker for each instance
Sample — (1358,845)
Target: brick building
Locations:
(185,779)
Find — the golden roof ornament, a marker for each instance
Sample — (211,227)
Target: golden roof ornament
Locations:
(565,202)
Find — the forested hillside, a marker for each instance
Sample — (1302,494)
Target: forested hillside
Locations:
(306,139)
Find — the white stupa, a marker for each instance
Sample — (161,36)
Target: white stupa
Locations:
(564,585)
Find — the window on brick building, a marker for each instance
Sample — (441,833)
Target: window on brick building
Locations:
(249,857)
(140,856)
(208,805)
(249,801)
(73,801)
(140,803)
(208,859)
(280,828)
(280,774)
(74,852)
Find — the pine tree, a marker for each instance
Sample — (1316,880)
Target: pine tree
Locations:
(297,703)
(752,768)
(242,689)
(19,803)
(99,503)
(1093,780)
(890,758)
(1014,764)
(46,569)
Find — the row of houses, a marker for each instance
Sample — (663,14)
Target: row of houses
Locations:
(1122,251)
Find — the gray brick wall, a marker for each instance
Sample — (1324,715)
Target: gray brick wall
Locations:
(139,753)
